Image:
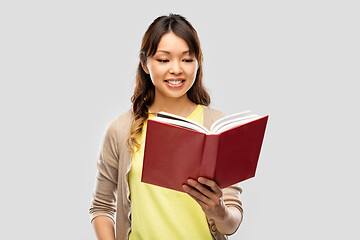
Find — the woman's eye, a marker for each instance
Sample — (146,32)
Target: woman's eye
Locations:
(188,60)
(163,60)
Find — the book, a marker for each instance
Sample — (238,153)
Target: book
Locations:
(177,148)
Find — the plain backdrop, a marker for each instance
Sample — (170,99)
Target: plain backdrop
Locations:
(67,68)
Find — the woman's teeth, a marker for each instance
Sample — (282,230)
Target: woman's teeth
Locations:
(175,82)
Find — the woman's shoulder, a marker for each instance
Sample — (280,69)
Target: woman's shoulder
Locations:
(213,112)
(120,122)
(124,117)
(211,115)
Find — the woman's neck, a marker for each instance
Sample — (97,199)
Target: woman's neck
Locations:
(180,106)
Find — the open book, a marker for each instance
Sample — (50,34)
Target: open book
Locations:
(219,126)
(177,149)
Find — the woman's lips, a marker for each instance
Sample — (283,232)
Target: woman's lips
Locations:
(175,83)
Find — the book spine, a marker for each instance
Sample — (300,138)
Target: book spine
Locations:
(209,156)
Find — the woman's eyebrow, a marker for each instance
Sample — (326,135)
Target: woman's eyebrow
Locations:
(167,52)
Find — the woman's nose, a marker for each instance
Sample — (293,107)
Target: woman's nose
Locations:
(175,68)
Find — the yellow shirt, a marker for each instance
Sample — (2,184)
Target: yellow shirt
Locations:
(160,213)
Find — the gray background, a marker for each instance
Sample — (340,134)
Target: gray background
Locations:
(67,69)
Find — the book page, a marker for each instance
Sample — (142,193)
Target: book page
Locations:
(231,118)
(179,121)
(234,123)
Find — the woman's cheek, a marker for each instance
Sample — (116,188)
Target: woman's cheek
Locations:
(194,71)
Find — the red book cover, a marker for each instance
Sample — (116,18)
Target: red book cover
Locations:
(174,154)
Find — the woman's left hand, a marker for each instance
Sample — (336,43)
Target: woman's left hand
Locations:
(210,199)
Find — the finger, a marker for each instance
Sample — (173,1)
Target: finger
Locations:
(203,206)
(201,188)
(212,184)
(196,194)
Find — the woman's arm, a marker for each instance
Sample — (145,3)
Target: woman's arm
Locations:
(104,228)
(231,221)
(227,219)
(103,205)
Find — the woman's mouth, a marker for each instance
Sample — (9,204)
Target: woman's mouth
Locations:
(175,83)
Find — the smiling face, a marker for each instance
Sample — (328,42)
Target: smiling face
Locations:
(172,69)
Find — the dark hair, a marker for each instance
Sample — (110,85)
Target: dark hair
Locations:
(144,93)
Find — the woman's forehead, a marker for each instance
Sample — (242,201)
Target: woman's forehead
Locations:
(170,43)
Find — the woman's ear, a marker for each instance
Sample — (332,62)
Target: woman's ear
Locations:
(143,62)
(144,67)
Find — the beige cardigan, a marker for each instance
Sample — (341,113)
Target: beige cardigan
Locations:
(111,193)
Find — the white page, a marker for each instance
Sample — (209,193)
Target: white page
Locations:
(231,118)
(180,121)
(235,123)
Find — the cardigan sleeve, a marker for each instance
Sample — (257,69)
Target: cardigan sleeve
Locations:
(104,195)
(231,197)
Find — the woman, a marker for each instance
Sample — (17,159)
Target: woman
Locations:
(169,78)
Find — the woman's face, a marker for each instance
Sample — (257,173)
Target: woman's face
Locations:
(172,69)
